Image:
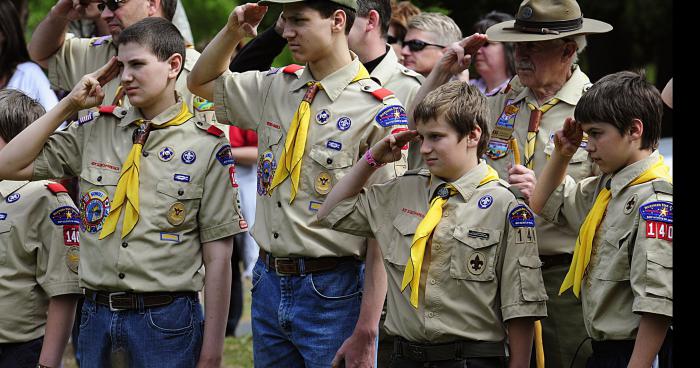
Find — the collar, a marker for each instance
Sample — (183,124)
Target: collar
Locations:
(134,114)
(570,92)
(465,185)
(333,84)
(386,66)
(8,187)
(629,173)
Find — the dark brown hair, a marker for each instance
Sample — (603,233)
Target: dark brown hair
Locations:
(17,111)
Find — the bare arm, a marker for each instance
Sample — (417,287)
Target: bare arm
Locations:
(566,142)
(215,58)
(520,335)
(58,327)
(16,159)
(650,337)
(217,289)
(245,155)
(49,35)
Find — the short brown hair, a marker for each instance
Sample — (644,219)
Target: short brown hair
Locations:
(327,8)
(401,14)
(17,111)
(462,106)
(168,7)
(618,99)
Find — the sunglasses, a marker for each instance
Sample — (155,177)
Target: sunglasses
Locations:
(417,45)
(392,40)
(110,4)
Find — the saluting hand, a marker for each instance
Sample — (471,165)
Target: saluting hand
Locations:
(389,149)
(568,138)
(458,55)
(88,92)
(246,18)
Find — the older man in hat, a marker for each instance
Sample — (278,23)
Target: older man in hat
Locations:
(548,35)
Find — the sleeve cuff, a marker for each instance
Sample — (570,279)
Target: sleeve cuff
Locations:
(41,168)
(660,306)
(220,231)
(62,288)
(553,205)
(537,310)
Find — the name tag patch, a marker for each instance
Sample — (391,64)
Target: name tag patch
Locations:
(478,235)
(171,237)
(334,145)
(182,178)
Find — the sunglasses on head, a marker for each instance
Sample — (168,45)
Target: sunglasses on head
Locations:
(417,45)
(110,4)
(391,39)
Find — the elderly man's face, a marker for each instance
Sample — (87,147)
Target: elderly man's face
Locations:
(539,63)
(128,13)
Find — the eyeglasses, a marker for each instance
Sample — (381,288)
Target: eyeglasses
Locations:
(417,45)
(110,4)
(391,39)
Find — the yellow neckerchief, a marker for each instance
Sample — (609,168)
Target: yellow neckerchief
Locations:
(584,242)
(411,274)
(127,192)
(533,128)
(295,143)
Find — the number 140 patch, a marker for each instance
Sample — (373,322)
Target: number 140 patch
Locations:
(71,235)
(659,230)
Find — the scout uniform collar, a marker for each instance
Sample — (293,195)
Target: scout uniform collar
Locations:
(134,114)
(8,187)
(624,177)
(570,92)
(333,84)
(464,185)
(384,71)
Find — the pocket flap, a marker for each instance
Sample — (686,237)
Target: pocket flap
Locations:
(270,134)
(477,237)
(406,224)
(100,177)
(530,261)
(330,159)
(5,228)
(179,190)
(617,237)
(664,259)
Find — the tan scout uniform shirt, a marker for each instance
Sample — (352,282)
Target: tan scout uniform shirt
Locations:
(80,56)
(39,252)
(482,270)
(552,239)
(343,125)
(186,199)
(631,267)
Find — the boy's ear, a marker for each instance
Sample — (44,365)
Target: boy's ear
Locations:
(373,20)
(636,130)
(339,19)
(176,64)
(474,137)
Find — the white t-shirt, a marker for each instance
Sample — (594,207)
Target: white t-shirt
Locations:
(30,79)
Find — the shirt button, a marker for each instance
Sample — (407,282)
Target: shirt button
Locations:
(329,161)
(125,244)
(180,192)
(145,153)
(433,282)
(121,275)
(446,214)
(279,204)
(431,314)
(366,88)
(275,235)
(437,246)
(99,178)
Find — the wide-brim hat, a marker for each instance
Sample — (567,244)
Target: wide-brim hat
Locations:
(352,4)
(541,20)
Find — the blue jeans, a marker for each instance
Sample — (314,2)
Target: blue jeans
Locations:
(301,321)
(167,336)
(21,355)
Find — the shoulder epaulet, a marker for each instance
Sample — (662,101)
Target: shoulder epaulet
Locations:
(516,192)
(421,172)
(586,87)
(412,73)
(117,111)
(292,69)
(56,188)
(213,130)
(381,93)
(97,41)
(662,186)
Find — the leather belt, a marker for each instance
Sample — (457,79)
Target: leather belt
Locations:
(461,349)
(556,260)
(302,265)
(122,300)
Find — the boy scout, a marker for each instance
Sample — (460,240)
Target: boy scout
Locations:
(478,240)
(313,123)
(69,58)
(173,186)
(39,253)
(622,265)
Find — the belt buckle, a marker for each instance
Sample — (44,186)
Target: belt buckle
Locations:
(111,308)
(277,269)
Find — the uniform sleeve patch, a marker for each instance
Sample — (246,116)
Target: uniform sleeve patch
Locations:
(272,71)
(65,215)
(392,115)
(660,211)
(224,155)
(97,41)
(521,216)
(71,235)
(202,104)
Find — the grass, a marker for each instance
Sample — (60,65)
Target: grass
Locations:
(238,351)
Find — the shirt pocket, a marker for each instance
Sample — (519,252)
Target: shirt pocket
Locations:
(659,277)
(269,136)
(5,240)
(474,253)
(330,165)
(531,282)
(400,246)
(176,204)
(97,188)
(613,256)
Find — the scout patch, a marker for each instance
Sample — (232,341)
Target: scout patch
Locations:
(90,116)
(485,201)
(12,198)
(94,208)
(202,104)
(171,237)
(659,220)
(478,235)
(266,171)
(334,145)
(166,154)
(71,235)
(272,71)
(3,216)
(525,235)
(232,175)
(323,183)
(181,178)
(314,206)
(73,258)
(344,123)
(323,116)
(629,205)
(498,144)
(243,224)
(392,115)
(65,215)
(521,216)
(97,41)
(176,214)
(188,157)
(477,263)
(224,155)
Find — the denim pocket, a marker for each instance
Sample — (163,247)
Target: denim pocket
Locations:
(258,272)
(87,312)
(174,318)
(342,283)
